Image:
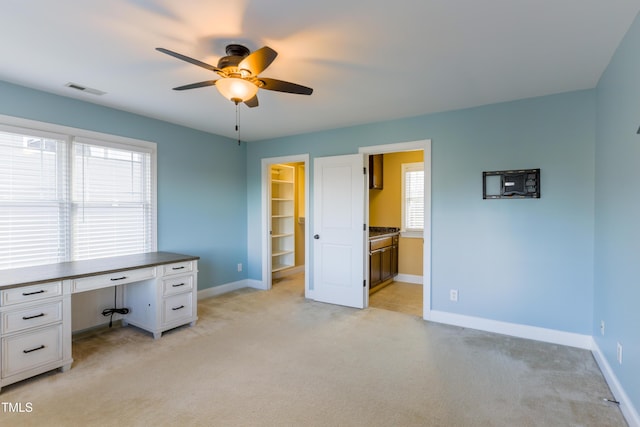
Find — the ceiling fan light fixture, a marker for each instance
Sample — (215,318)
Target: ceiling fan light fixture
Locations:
(236,89)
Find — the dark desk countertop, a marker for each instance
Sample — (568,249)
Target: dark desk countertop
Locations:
(14,277)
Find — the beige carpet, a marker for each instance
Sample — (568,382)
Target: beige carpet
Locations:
(259,358)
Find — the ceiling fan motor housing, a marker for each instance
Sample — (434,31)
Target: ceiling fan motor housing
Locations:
(235,54)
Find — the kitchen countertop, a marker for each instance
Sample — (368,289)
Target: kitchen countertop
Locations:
(375,232)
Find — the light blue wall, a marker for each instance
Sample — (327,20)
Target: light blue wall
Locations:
(521,261)
(201,177)
(617,213)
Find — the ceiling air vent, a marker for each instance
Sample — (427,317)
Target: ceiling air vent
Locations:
(85,89)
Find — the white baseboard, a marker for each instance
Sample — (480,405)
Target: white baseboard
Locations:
(222,289)
(513,329)
(229,287)
(626,406)
(256,284)
(408,278)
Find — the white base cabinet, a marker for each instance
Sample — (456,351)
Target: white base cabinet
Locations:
(33,333)
(165,303)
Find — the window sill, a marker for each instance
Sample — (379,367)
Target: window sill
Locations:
(412,234)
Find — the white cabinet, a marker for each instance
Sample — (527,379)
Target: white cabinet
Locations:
(33,337)
(112,279)
(282,217)
(169,302)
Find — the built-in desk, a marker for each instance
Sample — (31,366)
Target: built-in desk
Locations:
(160,291)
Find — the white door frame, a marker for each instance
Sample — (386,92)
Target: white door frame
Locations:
(425,146)
(266,217)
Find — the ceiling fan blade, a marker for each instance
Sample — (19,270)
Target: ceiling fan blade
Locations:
(259,60)
(253,102)
(196,85)
(282,86)
(188,59)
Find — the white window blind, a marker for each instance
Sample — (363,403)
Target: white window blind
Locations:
(65,198)
(112,212)
(413,197)
(33,198)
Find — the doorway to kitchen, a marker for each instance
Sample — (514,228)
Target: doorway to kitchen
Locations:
(398,211)
(285,203)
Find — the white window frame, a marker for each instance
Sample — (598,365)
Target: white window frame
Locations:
(404,231)
(70,134)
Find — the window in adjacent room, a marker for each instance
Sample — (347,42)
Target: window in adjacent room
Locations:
(412,199)
(66,198)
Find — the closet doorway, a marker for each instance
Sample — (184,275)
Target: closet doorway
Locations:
(285,204)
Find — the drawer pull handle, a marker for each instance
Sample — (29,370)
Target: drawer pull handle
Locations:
(177,308)
(178,285)
(41,291)
(32,317)
(177,268)
(33,349)
(118,278)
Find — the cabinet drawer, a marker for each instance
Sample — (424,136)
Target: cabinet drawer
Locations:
(380,243)
(30,293)
(177,307)
(177,268)
(112,279)
(176,285)
(31,349)
(24,318)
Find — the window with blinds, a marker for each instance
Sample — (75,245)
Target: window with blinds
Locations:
(64,199)
(413,197)
(111,209)
(33,198)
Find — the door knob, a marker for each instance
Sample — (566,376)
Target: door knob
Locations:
(316,236)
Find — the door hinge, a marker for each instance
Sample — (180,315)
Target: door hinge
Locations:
(364,283)
(364,170)
(364,227)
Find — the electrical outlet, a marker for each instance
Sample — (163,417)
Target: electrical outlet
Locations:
(240,267)
(453,295)
(619,353)
(602,327)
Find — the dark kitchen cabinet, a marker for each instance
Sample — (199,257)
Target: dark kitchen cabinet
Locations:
(383,260)
(375,172)
(394,257)
(386,270)
(375,272)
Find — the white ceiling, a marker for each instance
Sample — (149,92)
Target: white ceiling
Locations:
(367,60)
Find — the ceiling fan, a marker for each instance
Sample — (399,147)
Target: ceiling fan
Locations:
(239,71)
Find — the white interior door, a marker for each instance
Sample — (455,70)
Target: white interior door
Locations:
(338,230)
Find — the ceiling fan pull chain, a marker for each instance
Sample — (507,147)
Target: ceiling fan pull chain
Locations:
(238,122)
